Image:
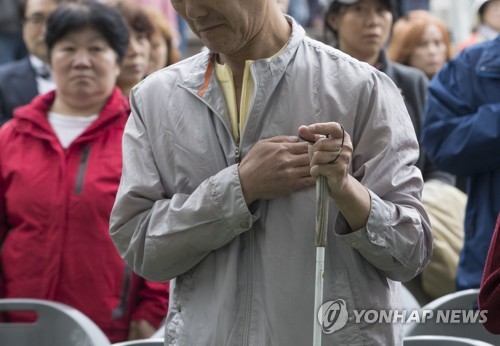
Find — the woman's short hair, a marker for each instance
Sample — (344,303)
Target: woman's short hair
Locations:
(407,34)
(163,27)
(77,15)
(135,15)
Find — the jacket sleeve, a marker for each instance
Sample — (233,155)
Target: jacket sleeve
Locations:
(397,238)
(161,236)
(489,293)
(459,137)
(152,301)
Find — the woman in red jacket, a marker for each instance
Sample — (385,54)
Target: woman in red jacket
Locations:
(489,294)
(60,166)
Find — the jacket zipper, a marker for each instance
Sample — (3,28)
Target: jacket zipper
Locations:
(249,292)
(82,168)
(119,311)
(237,154)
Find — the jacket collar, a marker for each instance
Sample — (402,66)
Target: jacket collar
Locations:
(203,79)
(32,118)
(489,62)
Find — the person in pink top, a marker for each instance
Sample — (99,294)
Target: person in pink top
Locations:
(489,293)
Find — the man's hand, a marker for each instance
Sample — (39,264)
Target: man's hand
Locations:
(275,167)
(331,153)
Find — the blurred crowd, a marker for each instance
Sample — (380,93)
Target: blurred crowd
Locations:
(68,66)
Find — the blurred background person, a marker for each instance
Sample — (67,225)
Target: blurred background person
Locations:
(489,294)
(298,9)
(164,52)
(166,9)
(12,46)
(135,65)
(461,134)
(60,166)
(361,29)
(487,27)
(421,40)
(22,80)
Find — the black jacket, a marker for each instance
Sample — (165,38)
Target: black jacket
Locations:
(413,86)
(18,86)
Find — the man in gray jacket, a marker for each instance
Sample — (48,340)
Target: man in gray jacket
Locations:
(217,191)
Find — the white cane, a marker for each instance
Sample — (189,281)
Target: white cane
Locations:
(322,197)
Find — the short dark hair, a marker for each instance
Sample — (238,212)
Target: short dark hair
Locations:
(336,7)
(78,15)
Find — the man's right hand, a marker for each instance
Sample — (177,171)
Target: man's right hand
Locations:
(275,167)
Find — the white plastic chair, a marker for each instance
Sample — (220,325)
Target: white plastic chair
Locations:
(441,340)
(142,342)
(56,325)
(462,300)
(160,333)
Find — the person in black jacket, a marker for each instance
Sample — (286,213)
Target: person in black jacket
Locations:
(361,29)
(22,80)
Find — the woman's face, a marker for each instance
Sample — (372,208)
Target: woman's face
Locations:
(430,54)
(362,28)
(491,14)
(135,64)
(85,67)
(159,53)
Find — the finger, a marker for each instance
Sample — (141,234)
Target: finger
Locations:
(332,129)
(132,334)
(306,135)
(302,171)
(306,181)
(326,157)
(298,148)
(282,139)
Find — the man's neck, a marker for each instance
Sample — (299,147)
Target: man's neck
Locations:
(265,47)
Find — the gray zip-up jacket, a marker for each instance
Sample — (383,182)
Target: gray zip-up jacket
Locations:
(246,277)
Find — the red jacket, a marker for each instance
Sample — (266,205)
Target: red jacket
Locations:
(55,205)
(489,294)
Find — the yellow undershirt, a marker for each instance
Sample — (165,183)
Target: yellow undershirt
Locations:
(225,78)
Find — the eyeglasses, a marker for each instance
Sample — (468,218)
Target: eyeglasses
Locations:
(36,20)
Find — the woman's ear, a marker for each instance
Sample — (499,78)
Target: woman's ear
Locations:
(332,20)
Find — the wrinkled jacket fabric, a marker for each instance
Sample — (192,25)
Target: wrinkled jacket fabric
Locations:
(54,217)
(461,134)
(246,277)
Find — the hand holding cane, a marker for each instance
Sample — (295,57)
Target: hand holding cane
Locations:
(322,199)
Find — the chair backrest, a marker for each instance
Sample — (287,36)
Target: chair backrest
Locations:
(142,342)
(56,325)
(160,333)
(441,340)
(454,314)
